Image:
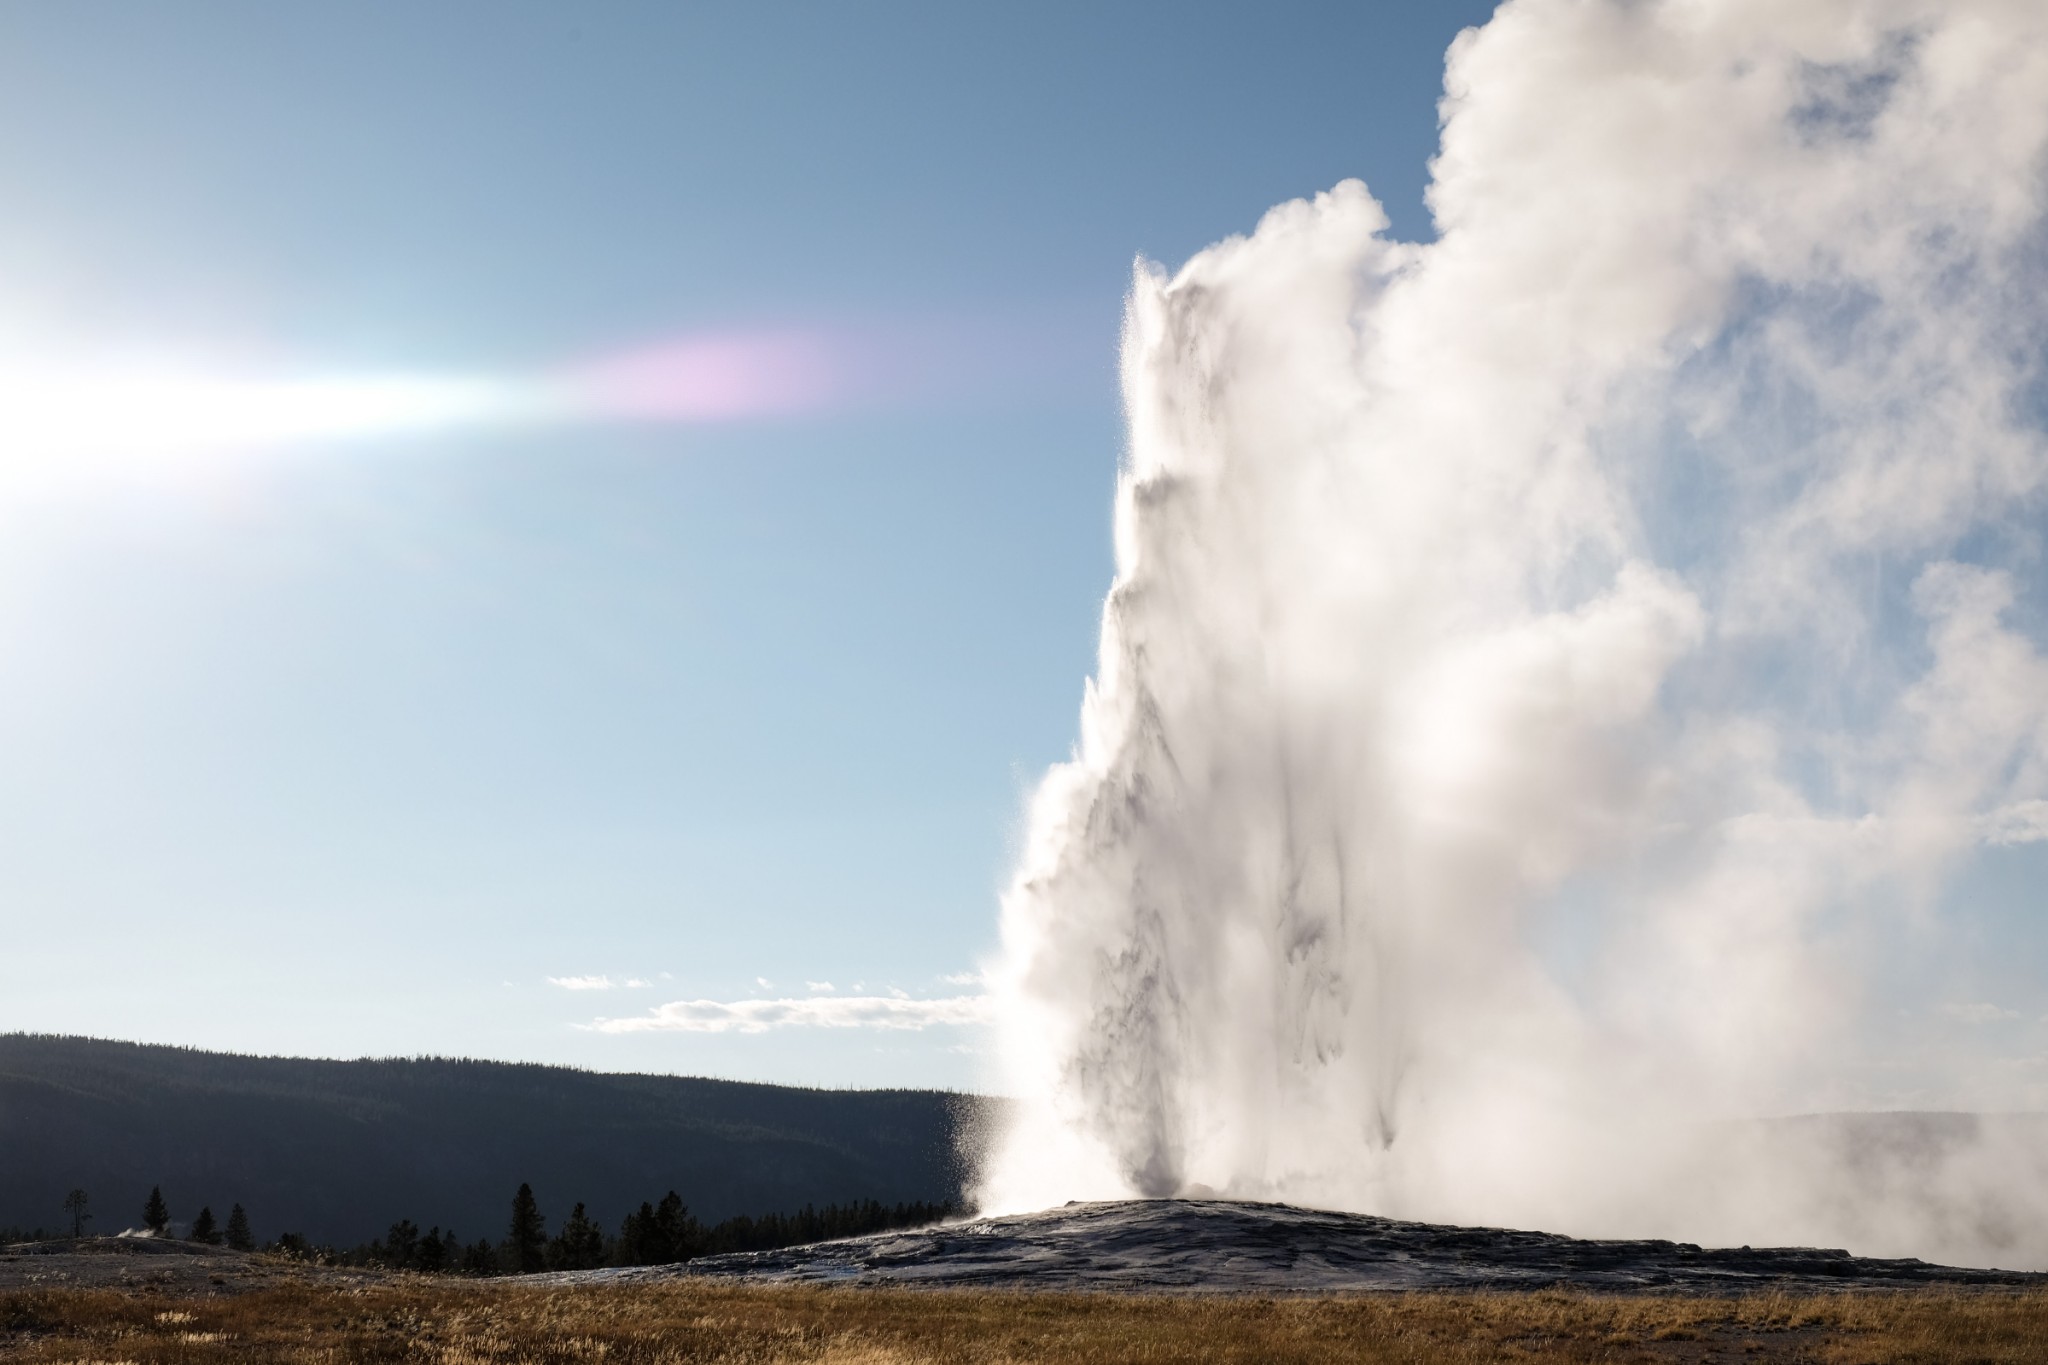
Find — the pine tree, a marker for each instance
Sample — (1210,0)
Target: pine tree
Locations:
(675,1232)
(579,1245)
(402,1245)
(480,1259)
(529,1240)
(76,1203)
(204,1230)
(636,1234)
(239,1236)
(434,1253)
(156,1215)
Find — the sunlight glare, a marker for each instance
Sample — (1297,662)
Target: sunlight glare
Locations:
(51,421)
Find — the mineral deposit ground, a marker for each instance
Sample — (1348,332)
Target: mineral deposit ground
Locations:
(1148,1282)
(1214,1246)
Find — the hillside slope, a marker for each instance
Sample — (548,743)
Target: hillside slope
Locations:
(338,1150)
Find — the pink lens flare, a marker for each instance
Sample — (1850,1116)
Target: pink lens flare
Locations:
(868,365)
(96,418)
(714,378)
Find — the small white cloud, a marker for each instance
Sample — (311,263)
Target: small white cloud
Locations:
(817,1011)
(2022,822)
(764,983)
(962,979)
(899,993)
(1978,1012)
(583,983)
(818,987)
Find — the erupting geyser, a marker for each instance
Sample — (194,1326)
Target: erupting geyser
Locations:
(1552,671)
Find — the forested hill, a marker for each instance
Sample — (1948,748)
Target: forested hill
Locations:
(339,1150)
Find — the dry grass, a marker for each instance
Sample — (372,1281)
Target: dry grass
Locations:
(458,1323)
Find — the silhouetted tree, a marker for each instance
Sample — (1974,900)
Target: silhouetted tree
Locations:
(529,1239)
(239,1236)
(659,1235)
(479,1258)
(675,1231)
(204,1230)
(401,1245)
(809,1224)
(75,1204)
(636,1237)
(156,1215)
(579,1245)
(434,1252)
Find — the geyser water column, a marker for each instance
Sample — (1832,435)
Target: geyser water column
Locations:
(1618,580)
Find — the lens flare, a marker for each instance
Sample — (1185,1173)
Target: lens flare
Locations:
(712,379)
(85,418)
(113,418)
(62,421)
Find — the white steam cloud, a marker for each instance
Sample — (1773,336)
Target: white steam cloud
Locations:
(1549,669)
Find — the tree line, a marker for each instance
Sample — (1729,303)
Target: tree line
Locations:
(657,1233)
(156,1217)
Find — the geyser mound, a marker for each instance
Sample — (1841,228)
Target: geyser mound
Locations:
(1224,1247)
(1553,672)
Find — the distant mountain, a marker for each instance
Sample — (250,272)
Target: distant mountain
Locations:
(339,1150)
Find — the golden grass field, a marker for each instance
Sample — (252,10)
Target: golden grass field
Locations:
(452,1322)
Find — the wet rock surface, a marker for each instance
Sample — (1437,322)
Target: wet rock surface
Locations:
(1205,1246)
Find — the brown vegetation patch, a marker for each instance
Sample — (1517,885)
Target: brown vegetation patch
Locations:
(442,1322)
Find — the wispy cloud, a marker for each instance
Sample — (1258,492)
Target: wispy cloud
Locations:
(818,1011)
(598,983)
(1978,1012)
(818,987)
(2022,822)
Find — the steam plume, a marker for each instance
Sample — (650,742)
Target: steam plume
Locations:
(1552,671)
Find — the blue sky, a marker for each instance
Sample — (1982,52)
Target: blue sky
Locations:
(347,748)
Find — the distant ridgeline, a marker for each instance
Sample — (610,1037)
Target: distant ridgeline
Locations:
(335,1151)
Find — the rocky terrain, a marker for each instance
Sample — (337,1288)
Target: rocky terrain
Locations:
(1183,1246)
(1209,1246)
(156,1265)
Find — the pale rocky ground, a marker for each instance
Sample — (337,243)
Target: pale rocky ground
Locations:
(1185,1246)
(1207,1246)
(151,1265)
